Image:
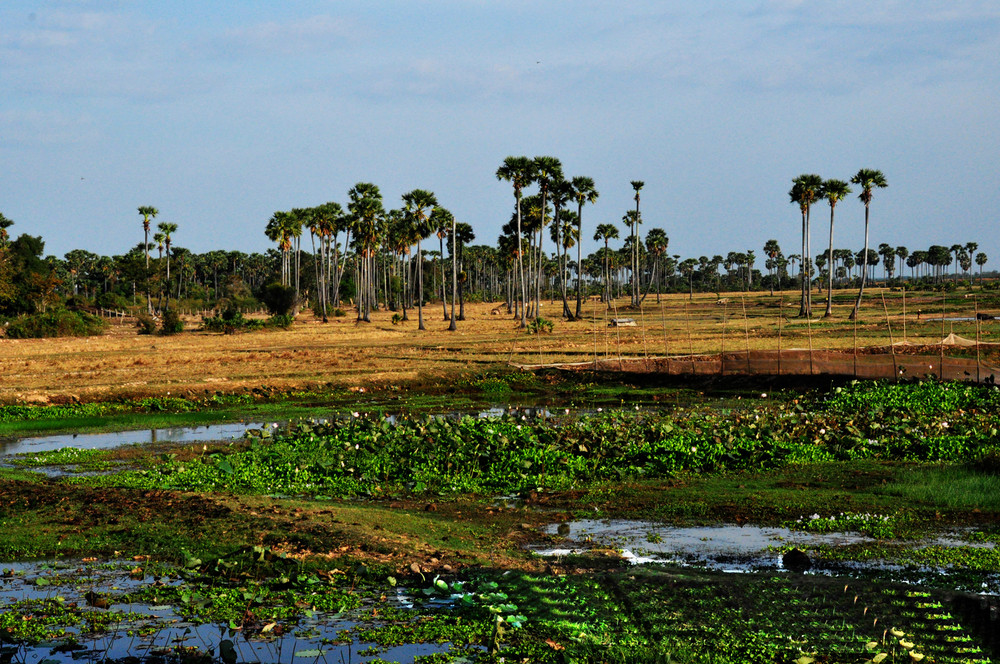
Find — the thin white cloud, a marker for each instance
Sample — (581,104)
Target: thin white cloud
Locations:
(298,37)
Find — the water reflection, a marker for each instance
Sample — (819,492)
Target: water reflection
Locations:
(732,548)
(100,441)
(221,432)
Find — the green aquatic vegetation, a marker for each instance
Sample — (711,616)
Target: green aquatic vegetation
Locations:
(35,620)
(879,526)
(921,398)
(369,455)
(92,459)
(251,603)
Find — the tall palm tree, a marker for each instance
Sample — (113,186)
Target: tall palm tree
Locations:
(867,179)
(955,249)
(561,191)
(584,192)
(367,211)
(463,235)
(656,244)
(902,253)
(444,222)
(418,205)
(548,171)
(805,191)
(981,261)
(637,186)
(772,250)
(148,213)
(400,237)
(441,221)
(606,232)
(519,171)
(168,230)
(833,191)
(970,250)
(564,235)
(278,231)
(322,224)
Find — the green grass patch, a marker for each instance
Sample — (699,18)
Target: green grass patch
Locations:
(951,486)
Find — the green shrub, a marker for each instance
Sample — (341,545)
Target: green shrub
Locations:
(284,321)
(61,323)
(112,301)
(171,323)
(278,299)
(540,325)
(339,313)
(230,322)
(146,324)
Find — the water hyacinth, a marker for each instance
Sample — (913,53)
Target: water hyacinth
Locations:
(359,454)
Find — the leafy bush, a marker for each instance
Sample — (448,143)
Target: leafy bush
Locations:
(339,313)
(60,323)
(284,321)
(278,299)
(171,323)
(112,301)
(540,325)
(146,324)
(230,322)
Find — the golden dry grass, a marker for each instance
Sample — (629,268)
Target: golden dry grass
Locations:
(343,353)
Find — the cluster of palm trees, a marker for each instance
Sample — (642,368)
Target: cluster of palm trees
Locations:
(162,240)
(527,226)
(381,240)
(810,188)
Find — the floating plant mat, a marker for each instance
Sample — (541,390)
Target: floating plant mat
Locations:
(73,611)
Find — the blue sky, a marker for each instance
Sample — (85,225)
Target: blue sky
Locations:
(220,113)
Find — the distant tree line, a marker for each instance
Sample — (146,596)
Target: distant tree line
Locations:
(364,256)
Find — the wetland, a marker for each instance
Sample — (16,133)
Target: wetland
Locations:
(543,519)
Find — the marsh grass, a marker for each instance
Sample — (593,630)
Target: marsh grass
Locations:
(951,486)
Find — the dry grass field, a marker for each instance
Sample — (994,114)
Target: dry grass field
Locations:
(343,353)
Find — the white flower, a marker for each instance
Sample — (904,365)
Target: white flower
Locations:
(356,414)
(822,431)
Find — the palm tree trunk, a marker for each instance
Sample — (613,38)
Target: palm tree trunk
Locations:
(420,288)
(579,259)
(520,261)
(830,268)
(864,270)
(803,308)
(454,273)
